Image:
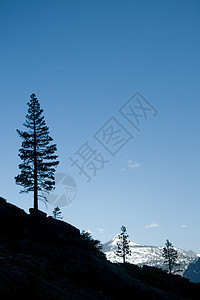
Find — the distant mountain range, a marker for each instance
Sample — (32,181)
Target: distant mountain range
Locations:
(148,255)
(193,271)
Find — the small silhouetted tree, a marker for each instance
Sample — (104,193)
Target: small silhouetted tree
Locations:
(170,256)
(91,243)
(123,244)
(37,154)
(57,213)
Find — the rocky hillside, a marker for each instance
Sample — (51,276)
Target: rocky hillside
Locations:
(43,258)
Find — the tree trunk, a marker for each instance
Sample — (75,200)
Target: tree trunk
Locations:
(35,172)
(124,251)
(124,260)
(170,266)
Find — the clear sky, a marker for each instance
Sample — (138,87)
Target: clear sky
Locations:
(84,60)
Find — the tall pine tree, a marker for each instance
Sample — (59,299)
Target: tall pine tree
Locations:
(37,154)
(123,244)
(170,256)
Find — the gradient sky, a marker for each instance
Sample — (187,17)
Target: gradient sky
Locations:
(84,60)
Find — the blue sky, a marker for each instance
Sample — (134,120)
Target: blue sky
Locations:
(84,60)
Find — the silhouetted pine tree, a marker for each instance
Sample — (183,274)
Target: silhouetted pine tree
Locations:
(57,213)
(90,242)
(170,255)
(37,154)
(123,245)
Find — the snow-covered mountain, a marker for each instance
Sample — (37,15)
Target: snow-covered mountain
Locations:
(148,255)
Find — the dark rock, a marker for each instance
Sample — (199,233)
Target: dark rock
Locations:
(16,222)
(37,213)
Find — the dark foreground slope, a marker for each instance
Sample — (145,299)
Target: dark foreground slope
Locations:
(43,258)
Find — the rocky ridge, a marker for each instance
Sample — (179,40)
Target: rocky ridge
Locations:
(43,258)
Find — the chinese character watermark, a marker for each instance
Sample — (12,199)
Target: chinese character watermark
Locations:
(88,161)
(136,109)
(112,136)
